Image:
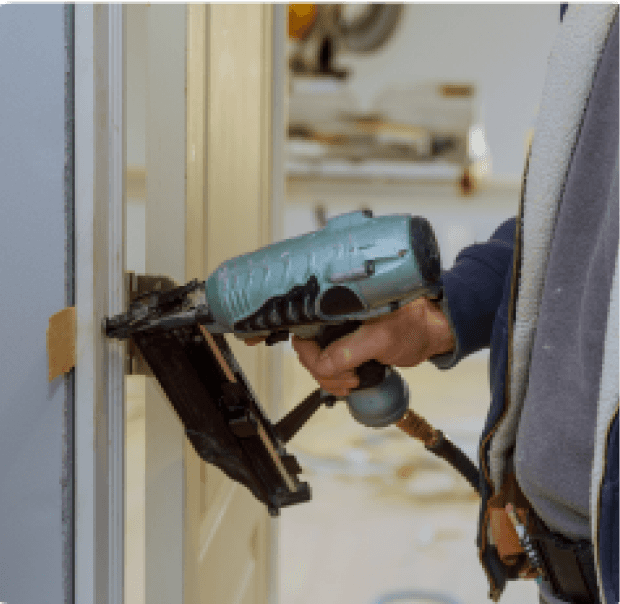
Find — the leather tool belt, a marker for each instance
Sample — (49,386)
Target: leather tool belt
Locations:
(567,565)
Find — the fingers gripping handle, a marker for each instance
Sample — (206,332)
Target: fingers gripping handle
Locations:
(371,373)
(381,397)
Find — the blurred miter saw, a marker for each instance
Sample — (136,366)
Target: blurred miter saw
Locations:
(320,31)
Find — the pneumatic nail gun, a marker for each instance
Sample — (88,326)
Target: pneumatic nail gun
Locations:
(319,285)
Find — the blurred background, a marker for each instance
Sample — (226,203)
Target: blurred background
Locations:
(424,109)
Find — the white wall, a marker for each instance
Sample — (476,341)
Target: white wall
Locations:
(501,48)
(32,267)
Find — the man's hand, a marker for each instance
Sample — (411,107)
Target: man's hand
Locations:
(404,338)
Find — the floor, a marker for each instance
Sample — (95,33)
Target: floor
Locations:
(388,521)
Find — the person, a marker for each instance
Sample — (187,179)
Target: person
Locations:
(542,294)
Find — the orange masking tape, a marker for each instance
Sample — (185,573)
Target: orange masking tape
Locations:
(61,342)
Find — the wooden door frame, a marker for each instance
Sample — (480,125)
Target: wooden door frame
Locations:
(219,127)
(279,125)
(165,220)
(99,225)
(100,286)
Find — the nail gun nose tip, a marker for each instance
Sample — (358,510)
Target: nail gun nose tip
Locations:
(108,326)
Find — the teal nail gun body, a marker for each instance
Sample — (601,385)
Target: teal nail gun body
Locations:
(355,268)
(320,285)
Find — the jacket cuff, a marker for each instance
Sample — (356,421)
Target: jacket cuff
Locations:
(448,359)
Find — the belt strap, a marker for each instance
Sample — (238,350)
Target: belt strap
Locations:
(570,567)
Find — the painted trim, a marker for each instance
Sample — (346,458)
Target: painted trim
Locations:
(86,375)
(240,130)
(195,264)
(165,239)
(99,195)
(196,82)
(279,121)
(116,298)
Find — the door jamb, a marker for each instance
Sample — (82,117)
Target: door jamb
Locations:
(99,223)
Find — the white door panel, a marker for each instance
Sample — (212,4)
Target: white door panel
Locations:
(206,539)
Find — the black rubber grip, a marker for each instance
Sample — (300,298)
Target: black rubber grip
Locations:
(371,373)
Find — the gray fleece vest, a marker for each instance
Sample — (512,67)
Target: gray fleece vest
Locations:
(565,336)
(555,445)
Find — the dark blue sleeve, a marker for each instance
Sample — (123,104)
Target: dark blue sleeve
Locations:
(473,290)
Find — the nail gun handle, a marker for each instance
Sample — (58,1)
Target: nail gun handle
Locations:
(371,373)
